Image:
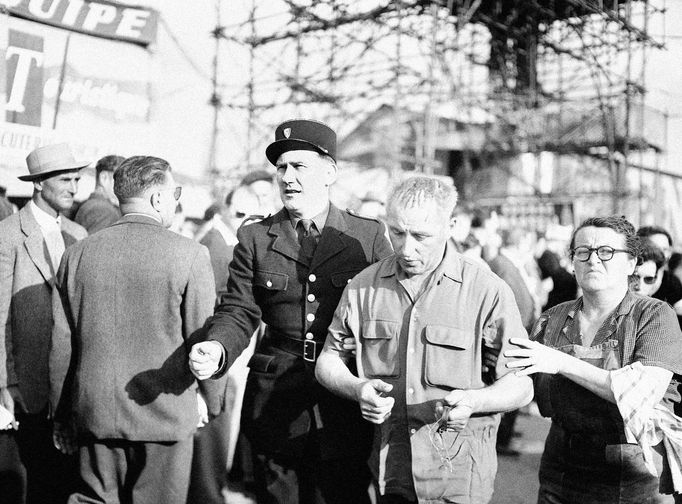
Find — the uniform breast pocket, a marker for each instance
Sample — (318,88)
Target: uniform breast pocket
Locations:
(270,281)
(449,358)
(380,348)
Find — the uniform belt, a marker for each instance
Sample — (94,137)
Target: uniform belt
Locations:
(309,350)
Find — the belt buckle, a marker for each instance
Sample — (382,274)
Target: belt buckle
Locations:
(309,350)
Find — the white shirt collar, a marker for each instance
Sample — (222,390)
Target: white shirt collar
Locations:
(44,219)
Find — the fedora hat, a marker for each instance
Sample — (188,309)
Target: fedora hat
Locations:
(302,134)
(50,159)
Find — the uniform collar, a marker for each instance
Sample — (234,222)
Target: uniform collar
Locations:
(319,220)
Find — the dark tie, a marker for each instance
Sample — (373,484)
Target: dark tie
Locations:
(307,237)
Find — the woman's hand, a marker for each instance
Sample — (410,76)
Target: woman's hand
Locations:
(533,357)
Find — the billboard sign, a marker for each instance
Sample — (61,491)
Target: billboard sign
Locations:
(100,18)
(61,86)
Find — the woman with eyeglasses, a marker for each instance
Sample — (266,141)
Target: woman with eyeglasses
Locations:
(578,355)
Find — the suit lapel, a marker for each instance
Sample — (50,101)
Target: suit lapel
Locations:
(332,241)
(35,244)
(69,239)
(285,238)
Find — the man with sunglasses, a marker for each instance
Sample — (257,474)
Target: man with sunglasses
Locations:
(135,296)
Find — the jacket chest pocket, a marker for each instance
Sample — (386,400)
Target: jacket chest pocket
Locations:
(380,348)
(449,357)
(270,281)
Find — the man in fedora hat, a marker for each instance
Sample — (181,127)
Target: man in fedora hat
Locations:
(289,271)
(32,244)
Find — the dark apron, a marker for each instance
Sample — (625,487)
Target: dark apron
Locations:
(587,459)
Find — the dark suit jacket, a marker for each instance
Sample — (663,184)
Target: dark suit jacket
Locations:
(96,213)
(270,280)
(26,295)
(508,272)
(135,296)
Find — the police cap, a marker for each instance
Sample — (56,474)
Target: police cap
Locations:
(302,134)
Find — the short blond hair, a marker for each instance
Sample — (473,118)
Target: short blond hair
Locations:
(420,190)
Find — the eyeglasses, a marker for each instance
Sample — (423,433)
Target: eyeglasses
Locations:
(604,253)
(649,280)
(442,440)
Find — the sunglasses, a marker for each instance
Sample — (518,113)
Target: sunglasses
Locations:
(649,280)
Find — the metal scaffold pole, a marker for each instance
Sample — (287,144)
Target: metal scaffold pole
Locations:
(216,100)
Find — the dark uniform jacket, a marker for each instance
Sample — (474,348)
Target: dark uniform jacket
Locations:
(271,280)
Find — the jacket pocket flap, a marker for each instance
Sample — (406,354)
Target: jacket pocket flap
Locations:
(261,363)
(380,329)
(447,336)
(270,280)
(343,278)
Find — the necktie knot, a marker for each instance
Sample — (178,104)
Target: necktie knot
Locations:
(307,237)
(306,224)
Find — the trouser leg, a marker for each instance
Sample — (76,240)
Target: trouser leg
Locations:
(311,480)
(12,471)
(163,473)
(209,462)
(130,472)
(51,476)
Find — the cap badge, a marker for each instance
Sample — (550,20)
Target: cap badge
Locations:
(287,132)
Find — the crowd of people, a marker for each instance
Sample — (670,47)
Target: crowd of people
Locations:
(324,355)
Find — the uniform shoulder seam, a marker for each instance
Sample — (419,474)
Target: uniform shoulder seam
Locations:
(353,213)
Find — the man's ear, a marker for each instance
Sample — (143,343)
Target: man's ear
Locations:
(332,174)
(155,200)
(451,224)
(38,185)
(632,266)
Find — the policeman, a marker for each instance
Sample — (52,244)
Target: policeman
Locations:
(289,271)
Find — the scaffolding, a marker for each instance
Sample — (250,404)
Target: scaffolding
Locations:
(513,77)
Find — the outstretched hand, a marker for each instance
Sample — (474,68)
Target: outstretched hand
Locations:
(533,357)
